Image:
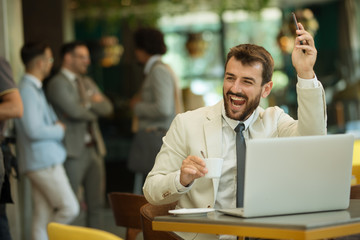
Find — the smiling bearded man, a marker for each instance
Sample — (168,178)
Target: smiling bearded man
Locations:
(178,173)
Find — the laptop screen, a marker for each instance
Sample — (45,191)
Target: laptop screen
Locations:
(297,174)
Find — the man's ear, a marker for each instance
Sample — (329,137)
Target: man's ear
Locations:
(266,89)
(38,62)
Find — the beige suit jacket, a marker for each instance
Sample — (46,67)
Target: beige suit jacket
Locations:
(201,129)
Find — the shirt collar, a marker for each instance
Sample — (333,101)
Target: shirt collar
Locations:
(70,75)
(34,80)
(151,62)
(233,123)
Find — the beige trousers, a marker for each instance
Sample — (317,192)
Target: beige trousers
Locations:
(53,200)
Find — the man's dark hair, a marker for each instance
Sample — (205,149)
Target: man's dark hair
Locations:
(32,50)
(70,47)
(150,40)
(249,54)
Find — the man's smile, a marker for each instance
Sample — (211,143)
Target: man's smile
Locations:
(237,101)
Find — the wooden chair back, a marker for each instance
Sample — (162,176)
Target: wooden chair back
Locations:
(148,212)
(355,192)
(126,210)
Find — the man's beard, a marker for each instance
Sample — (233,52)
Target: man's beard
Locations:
(250,106)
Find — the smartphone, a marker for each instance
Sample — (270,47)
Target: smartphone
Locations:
(297,27)
(295,21)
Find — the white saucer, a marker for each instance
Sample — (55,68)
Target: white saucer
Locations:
(186,212)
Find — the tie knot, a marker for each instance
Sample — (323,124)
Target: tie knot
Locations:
(240,127)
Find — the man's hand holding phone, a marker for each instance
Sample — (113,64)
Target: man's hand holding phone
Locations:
(297,26)
(304,52)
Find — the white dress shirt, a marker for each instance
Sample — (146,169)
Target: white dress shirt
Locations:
(150,63)
(69,75)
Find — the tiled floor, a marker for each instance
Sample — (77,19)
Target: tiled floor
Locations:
(109,224)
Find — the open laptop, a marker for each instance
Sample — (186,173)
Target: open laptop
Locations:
(296,175)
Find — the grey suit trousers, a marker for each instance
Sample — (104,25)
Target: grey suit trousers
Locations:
(87,170)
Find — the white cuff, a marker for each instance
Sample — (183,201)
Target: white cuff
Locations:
(308,83)
(179,186)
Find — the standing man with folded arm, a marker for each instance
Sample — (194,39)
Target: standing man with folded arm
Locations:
(10,107)
(79,102)
(178,171)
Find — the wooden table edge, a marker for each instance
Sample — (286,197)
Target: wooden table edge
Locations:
(261,232)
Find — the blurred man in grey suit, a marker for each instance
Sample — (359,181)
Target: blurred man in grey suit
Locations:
(78,102)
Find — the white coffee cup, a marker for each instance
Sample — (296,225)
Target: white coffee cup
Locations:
(214,166)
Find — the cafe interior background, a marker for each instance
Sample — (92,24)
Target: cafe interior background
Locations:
(198,35)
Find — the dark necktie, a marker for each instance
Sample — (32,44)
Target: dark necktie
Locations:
(84,99)
(240,156)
